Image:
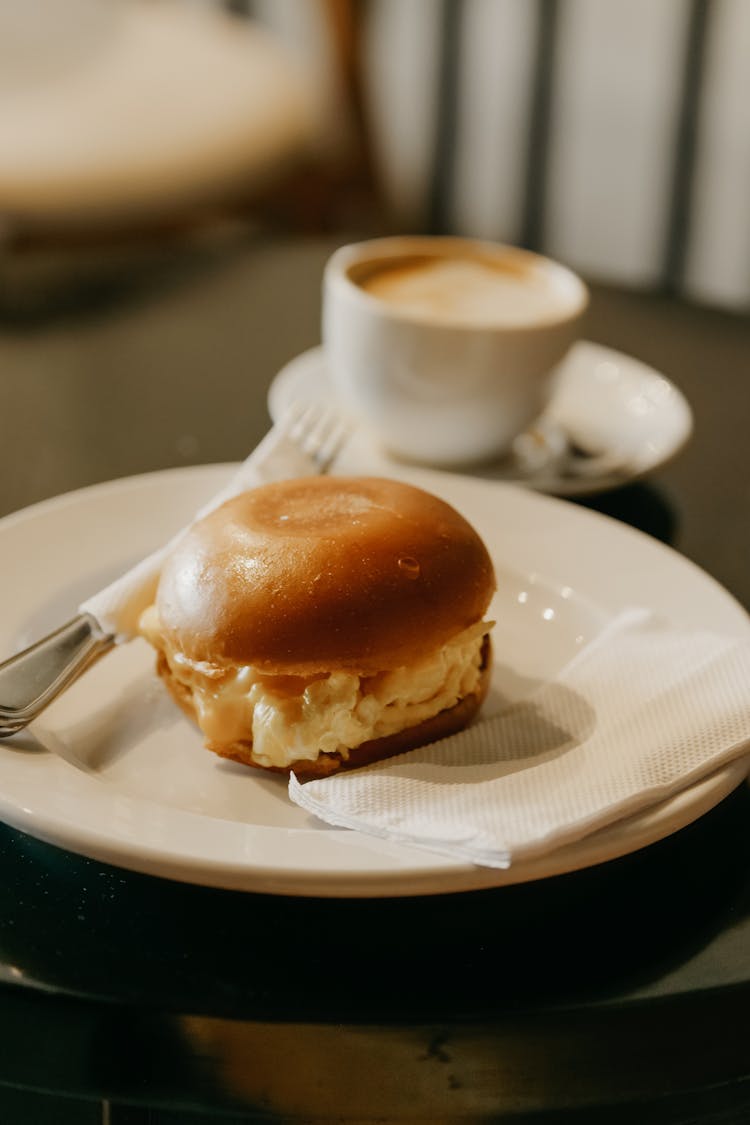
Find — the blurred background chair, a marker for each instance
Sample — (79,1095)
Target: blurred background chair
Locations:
(612,134)
(133,129)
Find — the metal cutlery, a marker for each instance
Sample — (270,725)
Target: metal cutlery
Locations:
(305,442)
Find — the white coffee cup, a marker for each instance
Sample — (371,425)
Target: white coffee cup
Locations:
(446,347)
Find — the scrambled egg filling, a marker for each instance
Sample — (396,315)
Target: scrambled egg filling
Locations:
(289,718)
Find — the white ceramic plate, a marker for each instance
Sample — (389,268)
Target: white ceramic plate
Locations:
(130,783)
(629,418)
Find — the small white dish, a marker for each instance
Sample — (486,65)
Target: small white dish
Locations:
(612,420)
(129,782)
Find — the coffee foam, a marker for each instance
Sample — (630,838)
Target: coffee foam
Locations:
(475,291)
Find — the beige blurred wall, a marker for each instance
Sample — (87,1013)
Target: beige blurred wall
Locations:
(616,181)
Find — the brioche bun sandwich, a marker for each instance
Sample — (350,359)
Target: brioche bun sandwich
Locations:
(322,623)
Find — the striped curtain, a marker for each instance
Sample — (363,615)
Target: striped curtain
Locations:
(612,134)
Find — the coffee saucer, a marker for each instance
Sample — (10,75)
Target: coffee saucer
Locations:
(612,420)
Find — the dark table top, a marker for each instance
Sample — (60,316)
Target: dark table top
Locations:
(618,993)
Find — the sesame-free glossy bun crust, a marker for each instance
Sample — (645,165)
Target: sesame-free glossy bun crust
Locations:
(324,573)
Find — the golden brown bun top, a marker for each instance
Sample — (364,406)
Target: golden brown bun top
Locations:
(322,573)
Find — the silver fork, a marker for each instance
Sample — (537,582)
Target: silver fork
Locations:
(305,442)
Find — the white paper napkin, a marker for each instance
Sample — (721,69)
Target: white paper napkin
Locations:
(642,712)
(118,606)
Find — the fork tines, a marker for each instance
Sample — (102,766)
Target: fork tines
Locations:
(319,431)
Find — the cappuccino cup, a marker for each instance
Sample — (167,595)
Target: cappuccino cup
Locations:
(445,348)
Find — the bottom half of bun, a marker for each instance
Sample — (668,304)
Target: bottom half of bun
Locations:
(446,722)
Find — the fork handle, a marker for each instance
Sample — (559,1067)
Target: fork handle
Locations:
(31,679)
